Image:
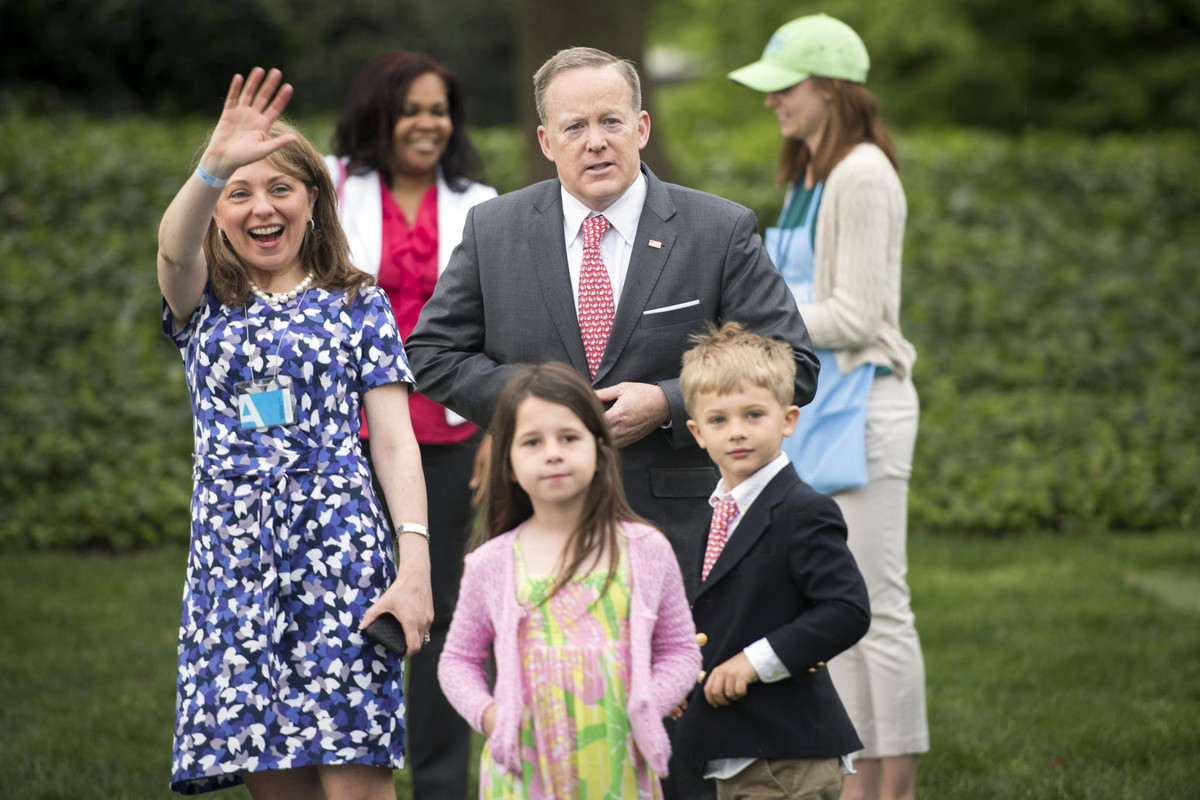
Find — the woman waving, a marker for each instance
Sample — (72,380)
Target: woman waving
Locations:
(283,343)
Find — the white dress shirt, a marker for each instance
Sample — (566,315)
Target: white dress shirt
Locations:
(617,243)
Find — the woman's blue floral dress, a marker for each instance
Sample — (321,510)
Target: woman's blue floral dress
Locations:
(289,546)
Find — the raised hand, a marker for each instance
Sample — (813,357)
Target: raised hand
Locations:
(251,106)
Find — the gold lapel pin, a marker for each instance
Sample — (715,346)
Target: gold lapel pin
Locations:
(656,244)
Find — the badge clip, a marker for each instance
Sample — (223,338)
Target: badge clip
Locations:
(265,403)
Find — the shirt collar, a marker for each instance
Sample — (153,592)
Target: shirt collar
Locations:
(748,490)
(623,215)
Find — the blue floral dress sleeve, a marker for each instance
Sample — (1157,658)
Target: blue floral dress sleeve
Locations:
(377,342)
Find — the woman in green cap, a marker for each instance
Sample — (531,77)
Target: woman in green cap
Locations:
(838,244)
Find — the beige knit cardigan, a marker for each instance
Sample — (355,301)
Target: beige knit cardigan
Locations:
(856,272)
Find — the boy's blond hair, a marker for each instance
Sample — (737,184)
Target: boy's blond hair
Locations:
(726,359)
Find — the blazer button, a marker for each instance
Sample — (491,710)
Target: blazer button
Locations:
(701,639)
(820,663)
(701,676)
(812,669)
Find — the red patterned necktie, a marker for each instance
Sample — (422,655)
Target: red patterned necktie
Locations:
(595,294)
(718,533)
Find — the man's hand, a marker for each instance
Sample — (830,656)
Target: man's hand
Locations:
(729,681)
(638,410)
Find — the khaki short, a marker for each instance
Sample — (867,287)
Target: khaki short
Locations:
(785,778)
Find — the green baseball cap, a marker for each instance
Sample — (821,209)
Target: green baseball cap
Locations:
(814,45)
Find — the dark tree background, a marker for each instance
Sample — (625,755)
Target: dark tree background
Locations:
(116,56)
(546,26)
(1094,66)
(1084,65)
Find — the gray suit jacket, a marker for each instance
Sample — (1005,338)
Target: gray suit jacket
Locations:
(506,299)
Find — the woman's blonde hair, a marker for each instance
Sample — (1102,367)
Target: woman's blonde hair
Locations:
(324,251)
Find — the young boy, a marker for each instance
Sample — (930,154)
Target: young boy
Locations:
(779,593)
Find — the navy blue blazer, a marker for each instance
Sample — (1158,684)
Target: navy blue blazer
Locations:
(786,574)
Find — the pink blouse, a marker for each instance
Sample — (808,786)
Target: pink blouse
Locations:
(408,272)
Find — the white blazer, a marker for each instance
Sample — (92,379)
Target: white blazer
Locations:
(360,208)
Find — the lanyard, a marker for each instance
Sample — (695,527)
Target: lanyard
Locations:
(278,347)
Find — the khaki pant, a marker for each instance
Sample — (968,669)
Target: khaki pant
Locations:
(881,680)
(785,779)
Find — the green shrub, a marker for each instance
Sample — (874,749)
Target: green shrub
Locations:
(1046,289)
(96,436)
(1083,65)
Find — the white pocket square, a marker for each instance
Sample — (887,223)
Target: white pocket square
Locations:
(675,307)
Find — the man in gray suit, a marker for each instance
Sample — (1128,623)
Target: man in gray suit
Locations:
(535,280)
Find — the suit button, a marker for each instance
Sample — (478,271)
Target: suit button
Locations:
(701,676)
(701,639)
(820,663)
(812,669)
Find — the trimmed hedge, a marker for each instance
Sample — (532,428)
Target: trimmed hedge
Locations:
(1049,289)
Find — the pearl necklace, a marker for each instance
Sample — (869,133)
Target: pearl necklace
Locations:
(279,298)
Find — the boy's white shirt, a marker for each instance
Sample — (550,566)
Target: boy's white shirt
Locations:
(760,653)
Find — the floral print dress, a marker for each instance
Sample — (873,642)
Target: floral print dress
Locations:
(575,737)
(289,546)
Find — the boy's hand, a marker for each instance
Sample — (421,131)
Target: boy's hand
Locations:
(729,681)
(677,710)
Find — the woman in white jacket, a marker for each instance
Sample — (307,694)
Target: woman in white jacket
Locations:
(406,175)
(841,236)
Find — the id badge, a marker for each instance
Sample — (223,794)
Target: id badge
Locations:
(264,403)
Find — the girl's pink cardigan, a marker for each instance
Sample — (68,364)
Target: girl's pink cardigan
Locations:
(665,658)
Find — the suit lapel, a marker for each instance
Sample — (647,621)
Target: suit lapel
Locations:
(646,264)
(751,527)
(549,253)
(691,574)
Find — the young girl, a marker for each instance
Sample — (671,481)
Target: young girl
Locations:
(580,602)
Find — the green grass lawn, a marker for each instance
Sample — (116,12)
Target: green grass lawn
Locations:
(1057,668)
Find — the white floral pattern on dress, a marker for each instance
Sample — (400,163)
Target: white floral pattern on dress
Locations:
(289,546)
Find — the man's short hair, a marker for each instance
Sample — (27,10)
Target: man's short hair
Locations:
(726,359)
(577,58)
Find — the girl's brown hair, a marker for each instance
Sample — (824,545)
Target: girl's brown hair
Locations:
(324,252)
(605,506)
(853,119)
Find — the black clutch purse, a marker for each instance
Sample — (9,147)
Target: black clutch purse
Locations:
(386,630)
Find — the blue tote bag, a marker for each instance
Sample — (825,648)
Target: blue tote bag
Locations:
(828,447)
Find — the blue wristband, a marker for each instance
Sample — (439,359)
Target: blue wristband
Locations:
(207,177)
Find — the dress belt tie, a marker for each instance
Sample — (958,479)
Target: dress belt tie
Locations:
(274,481)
